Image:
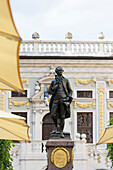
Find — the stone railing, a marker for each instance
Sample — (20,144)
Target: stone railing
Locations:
(34,146)
(15,150)
(94,154)
(72,48)
(15,155)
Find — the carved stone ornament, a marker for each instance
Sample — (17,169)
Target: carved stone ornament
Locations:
(52,70)
(60,156)
(37,87)
(68,36)
(101,36)
(35,35)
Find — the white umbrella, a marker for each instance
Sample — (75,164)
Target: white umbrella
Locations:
(9,50)
(13,127)
(107,136)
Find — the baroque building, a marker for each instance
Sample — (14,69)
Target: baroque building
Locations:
(89,67)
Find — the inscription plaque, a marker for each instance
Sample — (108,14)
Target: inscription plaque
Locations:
(60,156)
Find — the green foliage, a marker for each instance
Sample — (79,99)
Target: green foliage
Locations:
(5,158)
(110,146)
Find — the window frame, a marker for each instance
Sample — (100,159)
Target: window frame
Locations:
(109,94)
(93,123)
(82,98)
(85,96)
(19,94)
(18,98)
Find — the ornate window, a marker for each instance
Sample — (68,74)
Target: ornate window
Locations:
(18,94)
(110,94)
(85,125)
(84,94)
(23,114)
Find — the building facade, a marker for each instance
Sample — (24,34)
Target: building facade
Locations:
(89,68)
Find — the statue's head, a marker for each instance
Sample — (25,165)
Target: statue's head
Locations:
(59,70)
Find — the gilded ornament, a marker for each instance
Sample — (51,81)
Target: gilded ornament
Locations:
(110,81)
(18,104)
(26,80)
(10,104)
(84,82)
(110,104)
(101,111)
(89,149)
(2,100)
(60,156)
(72,156)
(98,159)
(84,105)
(106,160)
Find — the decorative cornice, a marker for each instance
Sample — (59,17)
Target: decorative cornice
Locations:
(84,82)
(84,105)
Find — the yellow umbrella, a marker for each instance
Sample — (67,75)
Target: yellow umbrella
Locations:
(107,136)
(13,127)
(9,50)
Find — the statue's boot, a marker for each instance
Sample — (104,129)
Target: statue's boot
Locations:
(54,131)
(61,134)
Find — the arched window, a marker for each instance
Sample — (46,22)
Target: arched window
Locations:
(47,126)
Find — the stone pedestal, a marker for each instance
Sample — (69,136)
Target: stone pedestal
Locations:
(60,154)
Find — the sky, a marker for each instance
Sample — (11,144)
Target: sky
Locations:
(52,19)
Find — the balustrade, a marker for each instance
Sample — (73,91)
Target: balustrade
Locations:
(15,150)
(98,156)
(64,47)
(82,151)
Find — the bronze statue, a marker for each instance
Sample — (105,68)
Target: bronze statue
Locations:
(61,99)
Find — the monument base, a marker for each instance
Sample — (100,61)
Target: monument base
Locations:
(60,154)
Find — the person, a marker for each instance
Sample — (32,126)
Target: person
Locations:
(60,101)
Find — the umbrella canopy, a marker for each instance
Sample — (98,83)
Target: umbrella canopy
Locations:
(9,50)
(107,136)
(13,127)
